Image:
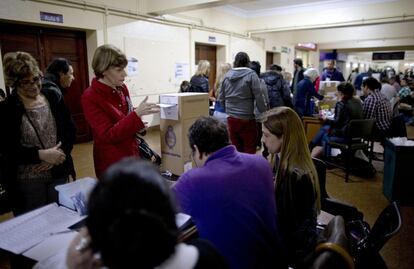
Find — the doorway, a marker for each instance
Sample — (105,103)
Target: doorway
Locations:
(272,58)
(45,44)
(209,53)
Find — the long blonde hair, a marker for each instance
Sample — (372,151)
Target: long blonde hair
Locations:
(283,121)
(203,68)
(222,70)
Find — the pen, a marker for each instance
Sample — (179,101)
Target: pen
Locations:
(62,232)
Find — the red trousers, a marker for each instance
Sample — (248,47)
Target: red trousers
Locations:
(243,134)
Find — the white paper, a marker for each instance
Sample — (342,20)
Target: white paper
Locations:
(169,111)
(402,141)
(181,219)
(51,246)
(23,232)
(56,261)
(324,218)
(169,99)
(182,71)
(168,107)
(68,190)
(132,67)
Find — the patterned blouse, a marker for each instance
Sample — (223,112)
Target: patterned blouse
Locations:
(42,121)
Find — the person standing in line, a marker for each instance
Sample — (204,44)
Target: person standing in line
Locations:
(239,91)
(58,78)
(219,112)
(305,91)
(37,135)
(199,82)
(297,186)
(298,74)
(109,111)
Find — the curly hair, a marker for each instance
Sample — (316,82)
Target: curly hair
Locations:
(18,65)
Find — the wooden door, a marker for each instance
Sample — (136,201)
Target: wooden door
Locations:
(269,60)
(45,44)
(209,53)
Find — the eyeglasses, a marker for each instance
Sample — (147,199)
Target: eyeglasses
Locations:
(28,82)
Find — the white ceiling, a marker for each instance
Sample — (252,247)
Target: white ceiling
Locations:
(260,8)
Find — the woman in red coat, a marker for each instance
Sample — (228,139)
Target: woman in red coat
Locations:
(109,112)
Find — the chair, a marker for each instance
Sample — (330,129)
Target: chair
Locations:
(386,226)
(333,247)
(332,205)
(358,135)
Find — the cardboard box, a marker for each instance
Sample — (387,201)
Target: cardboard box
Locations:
(326,87)
(178,112)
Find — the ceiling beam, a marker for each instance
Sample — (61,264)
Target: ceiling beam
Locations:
(161,7)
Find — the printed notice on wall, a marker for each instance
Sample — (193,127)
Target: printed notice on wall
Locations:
(182,71)
(132,67)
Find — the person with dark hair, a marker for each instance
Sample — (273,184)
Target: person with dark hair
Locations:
(131,223)
(109,111)
(230,198)
(184,86)
(277,87)
(58,76)
(376,106)
(240,91)
(255,66)
(346,109)
(37,135)
(331,73)
(298,74)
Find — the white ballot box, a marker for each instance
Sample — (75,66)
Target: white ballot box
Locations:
(178,112)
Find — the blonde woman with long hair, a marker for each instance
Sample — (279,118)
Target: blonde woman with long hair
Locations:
(297,186)
(219,112)
(199,82)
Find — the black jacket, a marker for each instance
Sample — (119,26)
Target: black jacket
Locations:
(199,84)
(12,111)
(278,89)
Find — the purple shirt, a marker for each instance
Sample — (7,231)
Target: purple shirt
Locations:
(231,200)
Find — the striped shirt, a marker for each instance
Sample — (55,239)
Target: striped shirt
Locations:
(376,106)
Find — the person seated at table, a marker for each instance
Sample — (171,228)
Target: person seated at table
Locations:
(230,197)
(131,223)
(346,109)
(297,184)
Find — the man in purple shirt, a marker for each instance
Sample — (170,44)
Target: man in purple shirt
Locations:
(230,196)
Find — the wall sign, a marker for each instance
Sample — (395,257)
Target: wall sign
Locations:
(51,17)
(211,39)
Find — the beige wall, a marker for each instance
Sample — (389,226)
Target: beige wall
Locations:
(158,47)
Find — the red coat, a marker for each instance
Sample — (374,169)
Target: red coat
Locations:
(113,127)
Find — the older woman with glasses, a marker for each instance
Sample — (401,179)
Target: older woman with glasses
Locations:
(37,135)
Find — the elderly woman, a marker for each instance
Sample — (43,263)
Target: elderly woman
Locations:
(37,135)
(304,93)
(109,111)
(58,76)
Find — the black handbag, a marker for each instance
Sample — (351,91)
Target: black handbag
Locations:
(146,152)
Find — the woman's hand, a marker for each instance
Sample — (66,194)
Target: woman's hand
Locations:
(44,166)
(54,155)
(80,255)
(146,108)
